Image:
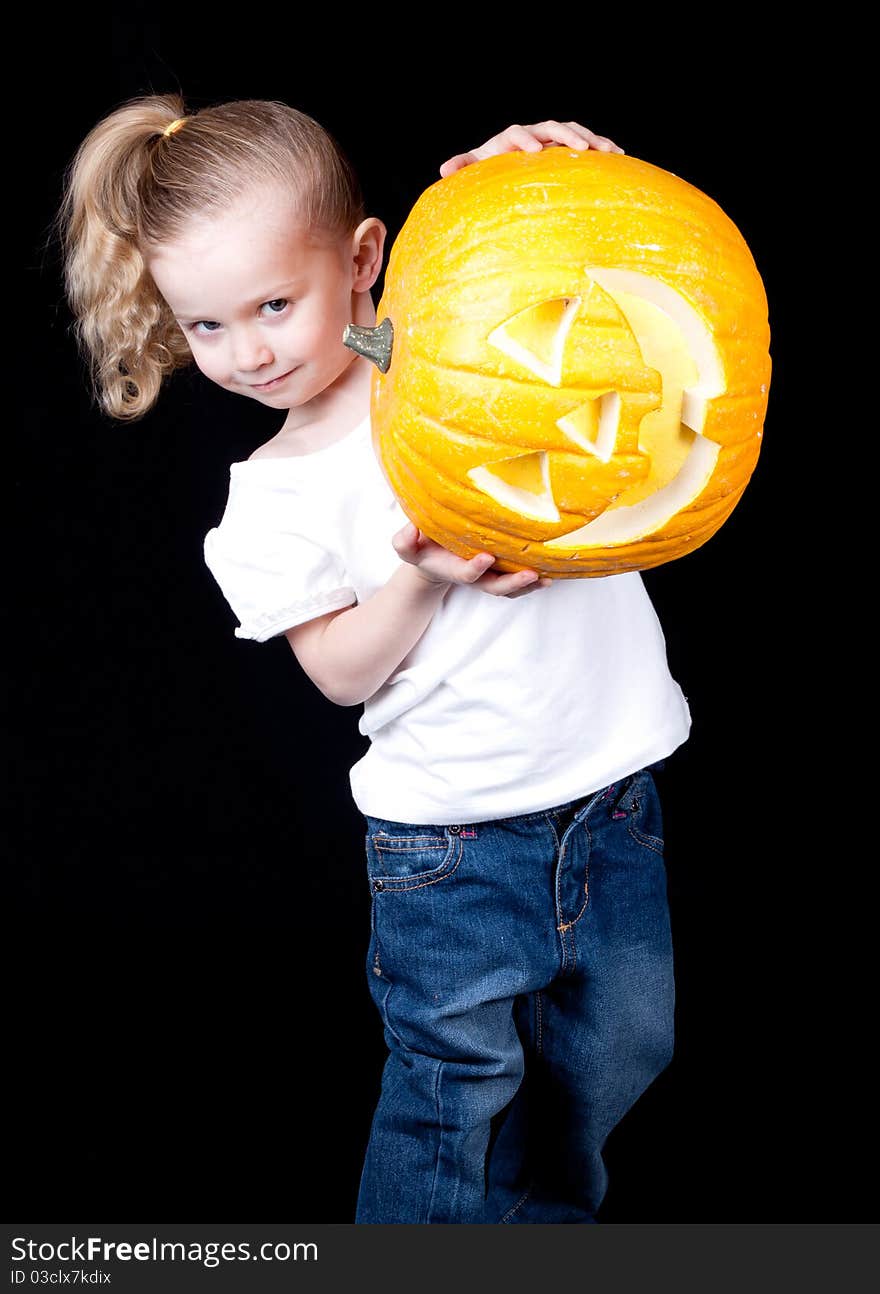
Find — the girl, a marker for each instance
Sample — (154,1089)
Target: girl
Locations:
(520,951)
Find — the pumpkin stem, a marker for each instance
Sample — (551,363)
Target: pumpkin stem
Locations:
(372,343)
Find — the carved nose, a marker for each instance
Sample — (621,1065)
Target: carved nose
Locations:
(373,343)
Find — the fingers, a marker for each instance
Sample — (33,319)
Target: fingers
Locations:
(456,163)
(577,136)
(542,583)
(571,134)
(525,138)
(499,585)
(513,584)
(531,139)
(412,546)
(477,566)
(406,541)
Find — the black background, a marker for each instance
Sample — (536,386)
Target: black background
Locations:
(191,1029)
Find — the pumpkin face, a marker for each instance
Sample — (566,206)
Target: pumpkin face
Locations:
(579,372)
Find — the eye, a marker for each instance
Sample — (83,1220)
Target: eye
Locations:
(277,307)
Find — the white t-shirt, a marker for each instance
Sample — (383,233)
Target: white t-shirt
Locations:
(504,706)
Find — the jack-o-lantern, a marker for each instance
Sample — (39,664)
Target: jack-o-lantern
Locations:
(571,363)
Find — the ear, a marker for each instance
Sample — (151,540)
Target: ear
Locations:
(367,247)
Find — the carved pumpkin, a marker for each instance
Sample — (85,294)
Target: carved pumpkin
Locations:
(572,363)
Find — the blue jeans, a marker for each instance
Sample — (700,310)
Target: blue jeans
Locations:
(523,972)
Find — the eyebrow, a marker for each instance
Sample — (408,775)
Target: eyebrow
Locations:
(187,316)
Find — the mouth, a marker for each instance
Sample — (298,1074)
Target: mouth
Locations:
(269,386)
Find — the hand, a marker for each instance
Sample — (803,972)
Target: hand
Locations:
(531,139)
(437,565)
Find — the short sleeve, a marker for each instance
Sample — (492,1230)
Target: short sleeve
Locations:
(272,576)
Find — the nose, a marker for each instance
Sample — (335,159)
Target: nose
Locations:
(250,353)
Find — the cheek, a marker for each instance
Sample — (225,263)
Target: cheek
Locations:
(209,362)
(310,328)
(330,329)
(310,339)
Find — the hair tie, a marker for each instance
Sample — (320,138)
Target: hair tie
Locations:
(175,126)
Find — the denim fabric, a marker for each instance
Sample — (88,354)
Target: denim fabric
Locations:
(523,972)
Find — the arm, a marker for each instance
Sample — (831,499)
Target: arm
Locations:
(349,654)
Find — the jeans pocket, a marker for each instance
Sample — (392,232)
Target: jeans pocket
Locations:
(404,855)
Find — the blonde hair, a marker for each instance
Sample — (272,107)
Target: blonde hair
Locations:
(136,180)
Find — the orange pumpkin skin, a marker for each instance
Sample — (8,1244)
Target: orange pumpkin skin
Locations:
(580,345)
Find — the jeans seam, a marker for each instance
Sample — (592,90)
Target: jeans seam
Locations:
(413,843)
(520,1202)
(643,838)
(586,901)
(383,1011)
(539,1049)
(438,1105)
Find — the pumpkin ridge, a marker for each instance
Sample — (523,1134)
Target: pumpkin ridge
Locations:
(465,437)
(458,279)
(505,439)
(534,385)
(686,230)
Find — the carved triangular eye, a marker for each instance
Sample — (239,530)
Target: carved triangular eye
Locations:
(521,484)
(593,425)
(536,337)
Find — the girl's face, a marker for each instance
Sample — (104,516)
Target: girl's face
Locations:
(262,306)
